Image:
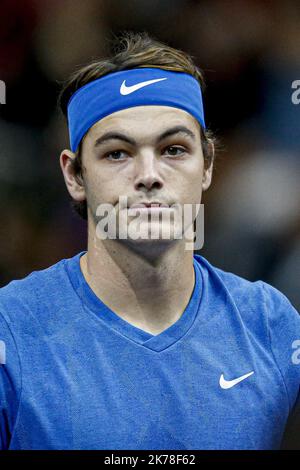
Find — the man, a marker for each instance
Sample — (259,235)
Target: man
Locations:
(137,343)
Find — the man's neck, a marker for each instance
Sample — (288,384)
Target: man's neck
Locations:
(149,293)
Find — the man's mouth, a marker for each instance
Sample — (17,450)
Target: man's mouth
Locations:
(148,205)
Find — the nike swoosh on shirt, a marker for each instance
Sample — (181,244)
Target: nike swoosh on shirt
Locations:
(126,90)
(231,383)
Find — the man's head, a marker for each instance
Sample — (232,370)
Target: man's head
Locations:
(140,162)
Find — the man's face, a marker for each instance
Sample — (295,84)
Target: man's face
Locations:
(146,153)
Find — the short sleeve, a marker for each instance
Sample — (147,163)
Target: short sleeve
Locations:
(284,334)
(10,383)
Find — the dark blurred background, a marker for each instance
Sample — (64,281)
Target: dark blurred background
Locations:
(249,52)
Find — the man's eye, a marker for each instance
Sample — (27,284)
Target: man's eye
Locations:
(116,155)
(175,151)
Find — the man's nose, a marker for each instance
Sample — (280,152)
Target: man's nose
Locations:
(147,172)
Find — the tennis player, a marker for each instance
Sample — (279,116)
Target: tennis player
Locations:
(137,342)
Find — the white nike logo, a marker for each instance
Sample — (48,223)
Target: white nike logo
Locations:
(126,90)
(231,383)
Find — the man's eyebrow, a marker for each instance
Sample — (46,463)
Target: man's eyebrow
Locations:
(176,130)
(119,136)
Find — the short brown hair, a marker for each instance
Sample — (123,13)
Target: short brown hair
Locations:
(132,50)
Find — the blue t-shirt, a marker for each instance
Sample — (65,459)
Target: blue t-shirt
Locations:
(75,375)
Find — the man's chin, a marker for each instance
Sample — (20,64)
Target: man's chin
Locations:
(150,249)
(152,234)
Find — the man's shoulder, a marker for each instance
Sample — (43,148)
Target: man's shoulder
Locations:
(37,288)
(37,278)
(231,281)
(249,296)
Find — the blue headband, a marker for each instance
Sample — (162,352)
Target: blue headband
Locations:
(129,88)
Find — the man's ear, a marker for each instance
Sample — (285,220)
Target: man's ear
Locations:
(208,170)
(73,181)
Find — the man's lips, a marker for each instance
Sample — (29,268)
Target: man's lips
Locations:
(148,205)
(154,204)
(145,207)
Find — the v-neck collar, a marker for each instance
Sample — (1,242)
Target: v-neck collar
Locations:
(154,342)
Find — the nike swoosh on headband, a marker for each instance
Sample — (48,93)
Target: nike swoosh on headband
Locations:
(119,90)
(126,90)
